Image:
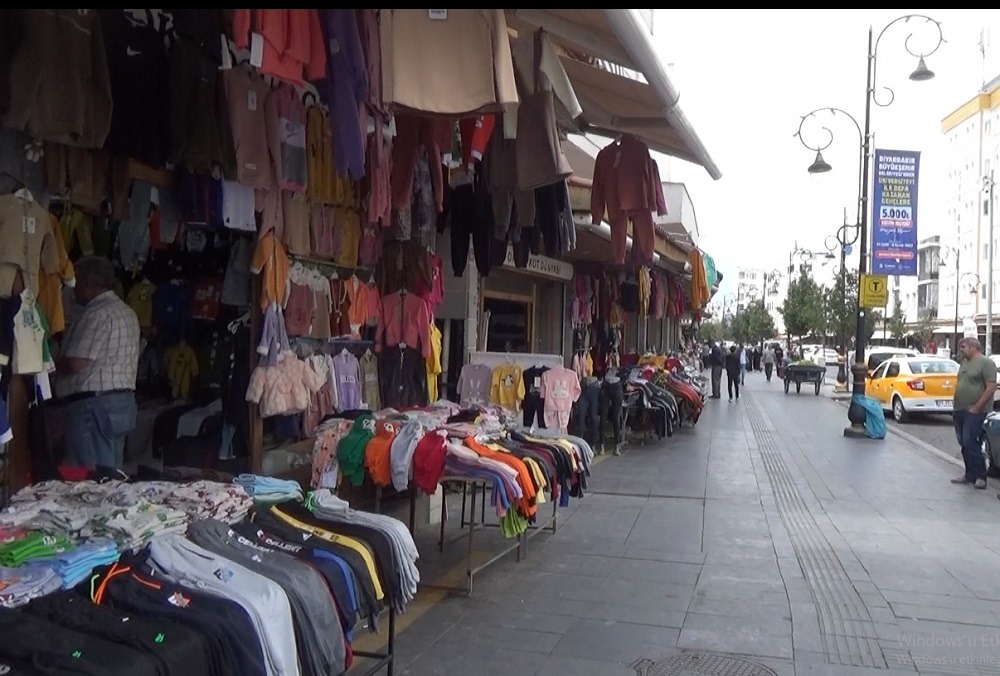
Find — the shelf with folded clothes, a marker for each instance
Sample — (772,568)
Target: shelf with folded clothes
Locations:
(139,547)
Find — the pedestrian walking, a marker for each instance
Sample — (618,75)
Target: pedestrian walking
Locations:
(716,360)
(743,365)
(756,357)
(768,358)
(734,370)
(977,381)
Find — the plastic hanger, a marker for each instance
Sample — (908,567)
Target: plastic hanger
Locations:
(24,194)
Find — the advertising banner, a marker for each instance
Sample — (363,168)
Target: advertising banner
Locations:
(894,212)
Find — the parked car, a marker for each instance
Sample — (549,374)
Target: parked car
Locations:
(990,443)
(913,384)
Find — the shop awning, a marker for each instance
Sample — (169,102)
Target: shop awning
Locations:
(618,102)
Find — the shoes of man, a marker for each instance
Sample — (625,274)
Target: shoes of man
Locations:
(980,484)
(960,480)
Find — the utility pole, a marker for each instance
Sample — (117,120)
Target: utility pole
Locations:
(989,271)
(958,282)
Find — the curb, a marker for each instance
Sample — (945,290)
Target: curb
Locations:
(924,446)
(917,443)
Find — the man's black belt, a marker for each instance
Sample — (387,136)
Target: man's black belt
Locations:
(79,396)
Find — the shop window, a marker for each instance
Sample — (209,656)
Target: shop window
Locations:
(510,324)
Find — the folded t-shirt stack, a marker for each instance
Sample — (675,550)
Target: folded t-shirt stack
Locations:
(23,584)
(268,489)
(75,565)
(33,545)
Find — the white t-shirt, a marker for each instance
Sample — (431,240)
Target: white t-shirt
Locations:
(743,357)
(29,337)
(238,206)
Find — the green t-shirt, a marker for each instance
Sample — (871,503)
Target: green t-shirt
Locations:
(973,375)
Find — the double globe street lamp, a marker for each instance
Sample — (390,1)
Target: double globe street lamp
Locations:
(856,412)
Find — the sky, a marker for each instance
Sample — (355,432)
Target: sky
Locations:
(746,78)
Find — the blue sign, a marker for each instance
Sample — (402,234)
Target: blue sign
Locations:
(894,212)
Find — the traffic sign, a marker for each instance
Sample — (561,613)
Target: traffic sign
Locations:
(874,290)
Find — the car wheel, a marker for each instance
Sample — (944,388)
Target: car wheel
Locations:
(898,412)
(991,466)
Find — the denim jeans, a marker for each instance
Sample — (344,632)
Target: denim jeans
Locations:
(588,413)
(969,430)
(96,429)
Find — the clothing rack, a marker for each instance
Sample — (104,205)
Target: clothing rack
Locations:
(471,488)
(330,265)
(385,659)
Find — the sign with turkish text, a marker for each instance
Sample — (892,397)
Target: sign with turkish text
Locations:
(894,212)
(874,290)
(542,266)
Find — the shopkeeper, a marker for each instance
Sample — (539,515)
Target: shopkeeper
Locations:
(97,369)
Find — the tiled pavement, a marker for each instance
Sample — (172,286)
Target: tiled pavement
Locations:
(762,532)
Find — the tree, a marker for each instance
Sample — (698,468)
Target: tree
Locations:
(924,329)
(712,331)
(873,318)
(841,307)
(803,308)
(897,323)
(753,324)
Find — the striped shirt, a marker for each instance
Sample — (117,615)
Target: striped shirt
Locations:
(107,334)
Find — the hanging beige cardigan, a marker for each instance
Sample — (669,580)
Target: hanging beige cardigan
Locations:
(447,61)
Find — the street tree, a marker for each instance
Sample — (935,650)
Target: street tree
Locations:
(897,323)
(754,324)
(712,331)
(840,305)
(803,308)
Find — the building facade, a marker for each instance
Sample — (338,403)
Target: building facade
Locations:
(754,285)
(928,271)
(972,132)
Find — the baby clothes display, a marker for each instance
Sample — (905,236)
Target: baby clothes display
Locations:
(507,386)
(474,385)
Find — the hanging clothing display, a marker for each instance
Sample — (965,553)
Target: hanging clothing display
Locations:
(419,69)
(627,188)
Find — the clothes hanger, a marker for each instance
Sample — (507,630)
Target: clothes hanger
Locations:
(24,194)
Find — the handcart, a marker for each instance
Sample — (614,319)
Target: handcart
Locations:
(804,373)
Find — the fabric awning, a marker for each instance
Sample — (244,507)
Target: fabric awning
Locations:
(614,105)
(598,45)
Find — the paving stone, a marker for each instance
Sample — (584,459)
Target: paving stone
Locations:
(561,664)
(746,636)
(614,641)
(655,571)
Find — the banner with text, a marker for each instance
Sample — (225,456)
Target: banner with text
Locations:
(894,212)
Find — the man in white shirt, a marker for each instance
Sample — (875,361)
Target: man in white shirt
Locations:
(96,370)
(743,365)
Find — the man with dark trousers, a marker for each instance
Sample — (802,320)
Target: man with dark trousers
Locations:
(734,371)
(716,361)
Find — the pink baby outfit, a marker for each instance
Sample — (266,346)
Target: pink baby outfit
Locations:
(300,305)
(560,390)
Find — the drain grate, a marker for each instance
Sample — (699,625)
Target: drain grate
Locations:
(700,664)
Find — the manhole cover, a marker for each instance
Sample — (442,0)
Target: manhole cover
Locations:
(700,664)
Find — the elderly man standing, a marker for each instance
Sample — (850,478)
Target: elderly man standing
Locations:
(977,381)
(97,369)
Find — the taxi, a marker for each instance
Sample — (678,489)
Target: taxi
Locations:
(914,384)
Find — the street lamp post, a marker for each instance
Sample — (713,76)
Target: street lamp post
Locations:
(958,285)
(988,185)
(856,413)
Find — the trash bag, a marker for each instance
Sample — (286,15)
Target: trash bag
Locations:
(875,427)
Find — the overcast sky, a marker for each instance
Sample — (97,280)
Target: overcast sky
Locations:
(746,77)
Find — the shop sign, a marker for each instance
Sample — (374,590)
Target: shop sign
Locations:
(543,266)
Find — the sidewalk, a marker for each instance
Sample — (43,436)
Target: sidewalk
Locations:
(761,535)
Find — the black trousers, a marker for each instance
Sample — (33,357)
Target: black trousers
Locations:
(733,380)
(171,646)
(38,646)
(612,397)
(768,367)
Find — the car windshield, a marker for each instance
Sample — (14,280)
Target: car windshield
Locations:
(921,366)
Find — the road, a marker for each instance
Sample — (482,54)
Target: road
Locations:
(936,430)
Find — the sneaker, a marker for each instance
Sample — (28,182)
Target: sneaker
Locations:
(960,480)
(980,484)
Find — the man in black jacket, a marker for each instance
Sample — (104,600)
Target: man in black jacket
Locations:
(716,361)
(733,372)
